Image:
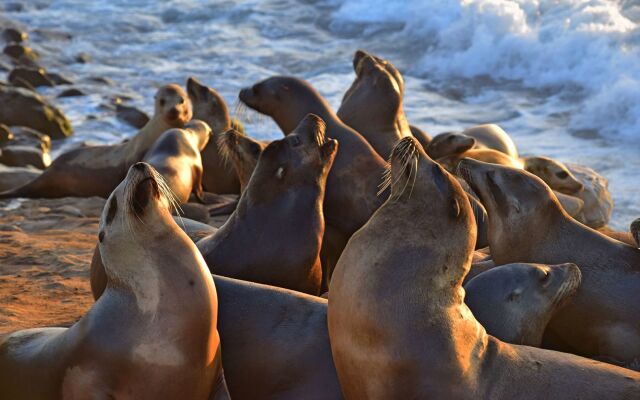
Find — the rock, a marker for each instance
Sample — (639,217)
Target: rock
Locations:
(131,116)
(22,54)
(11,177)
(598,203)
(24,136)
(70,210)
(22,156)
(5,134)
(100,80)
(25,108)
(58,79)
(34,77)
(83,58)
(72,93)
(4,66)
(13,35)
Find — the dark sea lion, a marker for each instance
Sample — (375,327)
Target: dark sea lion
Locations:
(275,233)
(449,143)
(152,334)
(210,107)
(373,104)
(97,170)
(176,156)
(275,343)
(398,325)
(515,302)
(635,231)
(242,152)
(527,224)
(352,186)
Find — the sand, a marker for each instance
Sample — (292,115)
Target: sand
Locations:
(45,253)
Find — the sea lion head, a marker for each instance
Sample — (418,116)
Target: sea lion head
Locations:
(302,158)
(512,197)
(449,143)
(527,295)
(422,187)
(378,88)
(635,231)
(201,130)
(242,152)
(173,104)
(285,99)
(137,211)
(554,173)
(208,106)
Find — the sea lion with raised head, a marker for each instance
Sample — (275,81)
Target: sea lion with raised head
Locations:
(242,152)
(176,156)
(97,170)
(151,335)
(352,186)
(279,215)
(373,104)
(515,302)
(398,325)
(527,224)
(210,107)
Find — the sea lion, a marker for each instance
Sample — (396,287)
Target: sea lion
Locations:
(398,325)
(242,152)
(352,186)
(210,107)
(176,156)
(489,136)
(451,161)
(152,334)
(527,224)
(256,244)
(515,302)
(553,173)
(449,143)
(373,104)
(635,231)
(275,343)
(97,170)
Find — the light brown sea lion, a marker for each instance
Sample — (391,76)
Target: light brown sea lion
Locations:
(398,325)
(275,343)
(242,152)
(352,186)
(152,334)
(279,215)
(97,170)
(451,161)
(553,173)
(527,224)
(373,104)
(492,136)
(515,302)
(210,107)
(449,143)
(176,156)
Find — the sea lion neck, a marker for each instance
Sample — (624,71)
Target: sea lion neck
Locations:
(138,145)
(311,103)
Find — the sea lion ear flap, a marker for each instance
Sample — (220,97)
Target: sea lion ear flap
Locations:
(456,208)
(329,149)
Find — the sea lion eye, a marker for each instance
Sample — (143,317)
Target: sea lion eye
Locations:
(162,102)
(562,174)
(514,296)
(181,100)
(544,277)
(295,141)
